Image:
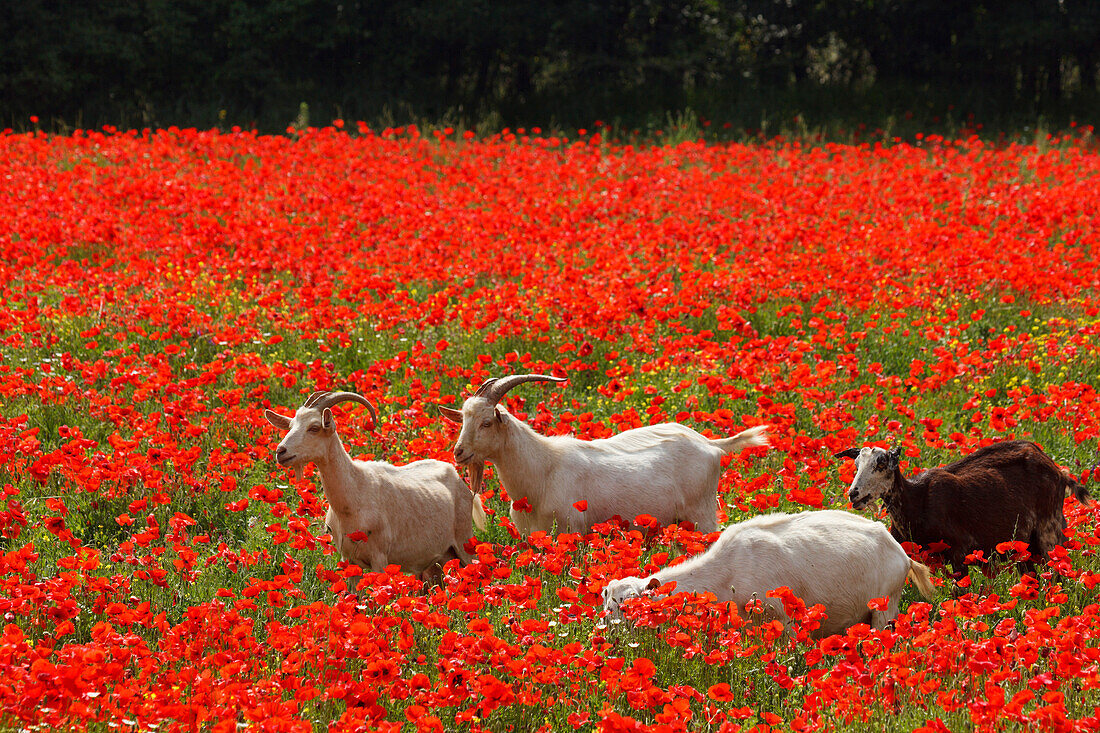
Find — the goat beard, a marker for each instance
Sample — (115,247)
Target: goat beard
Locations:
(476,470)
(298,473)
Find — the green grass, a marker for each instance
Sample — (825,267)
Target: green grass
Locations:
(91,516)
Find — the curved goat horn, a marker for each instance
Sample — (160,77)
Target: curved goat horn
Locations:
(322,400)
(493,389)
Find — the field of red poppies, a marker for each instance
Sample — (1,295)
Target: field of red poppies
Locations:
(160,289)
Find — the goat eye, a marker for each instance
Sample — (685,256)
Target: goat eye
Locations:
(486,423)
(314,428)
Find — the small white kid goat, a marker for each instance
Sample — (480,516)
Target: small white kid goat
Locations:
(667,471)
(416,516)
(835,558)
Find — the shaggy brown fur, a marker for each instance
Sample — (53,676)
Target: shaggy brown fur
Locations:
(1003,492)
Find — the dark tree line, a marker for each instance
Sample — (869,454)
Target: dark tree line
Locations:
(159,62)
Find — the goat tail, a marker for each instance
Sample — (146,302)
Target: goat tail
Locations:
(745,439)
(480,520)
(922,578)
(1079,490)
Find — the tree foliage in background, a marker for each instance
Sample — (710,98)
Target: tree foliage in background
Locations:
(159,62)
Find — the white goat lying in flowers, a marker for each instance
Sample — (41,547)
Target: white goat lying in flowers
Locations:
(834,558)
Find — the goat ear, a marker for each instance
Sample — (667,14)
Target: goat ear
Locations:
(653,584)
(449,414)
(850,453)
(328,422)
(895,456)
(279,421)
(500,413)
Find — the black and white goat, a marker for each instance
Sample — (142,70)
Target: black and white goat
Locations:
(1004,492)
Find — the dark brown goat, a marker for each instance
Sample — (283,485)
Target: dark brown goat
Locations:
(1008,491)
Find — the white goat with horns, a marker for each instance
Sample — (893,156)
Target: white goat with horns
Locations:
(667,471)
(416,516)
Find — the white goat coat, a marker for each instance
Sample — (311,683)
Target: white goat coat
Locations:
(835,558)
(414,515)
(667,471)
